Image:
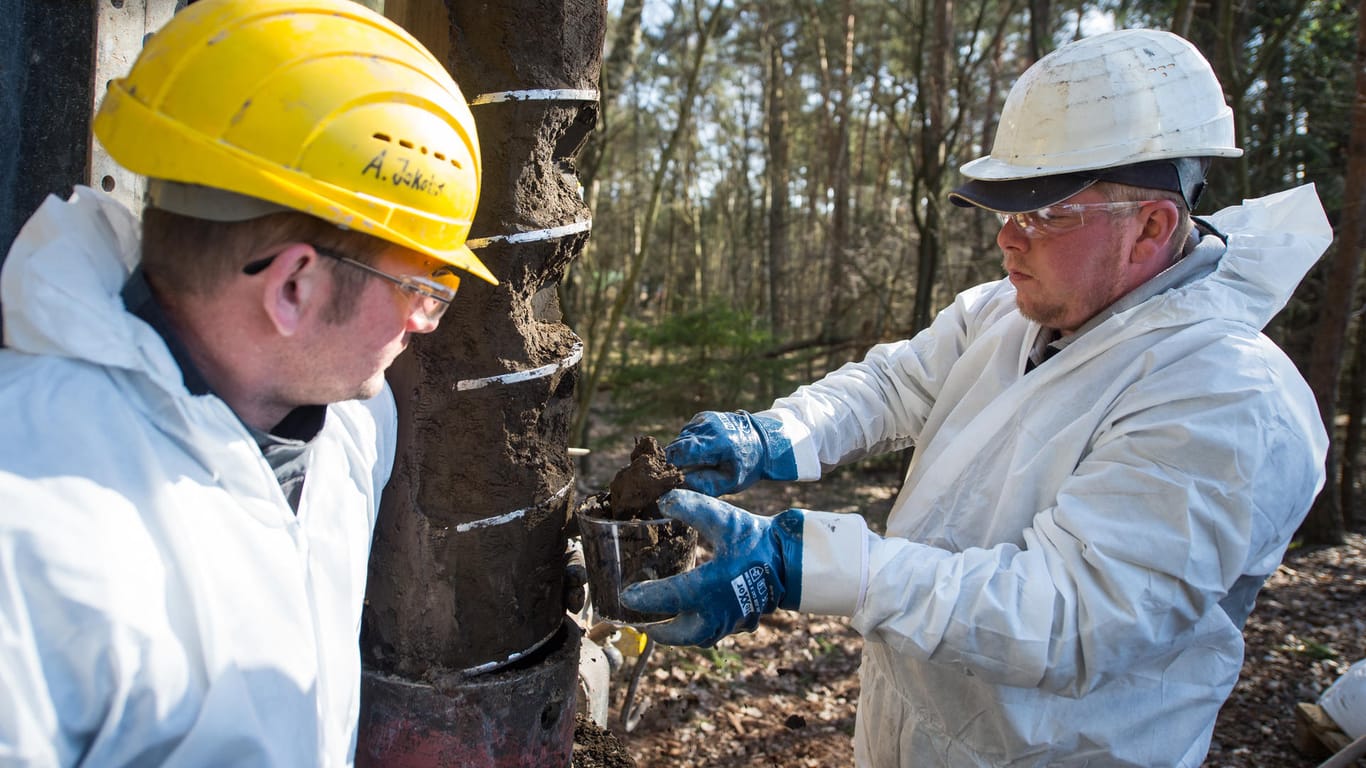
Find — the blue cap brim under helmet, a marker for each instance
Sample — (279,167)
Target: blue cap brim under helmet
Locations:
(1184,175)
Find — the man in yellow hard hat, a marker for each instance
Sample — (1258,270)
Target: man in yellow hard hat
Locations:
(1110,457)
(197,427)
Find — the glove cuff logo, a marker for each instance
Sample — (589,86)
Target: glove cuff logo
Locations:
(751,590)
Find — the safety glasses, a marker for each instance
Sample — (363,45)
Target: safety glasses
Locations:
(1064,217)
(432,295)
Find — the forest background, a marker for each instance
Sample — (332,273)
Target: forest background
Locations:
(768,184)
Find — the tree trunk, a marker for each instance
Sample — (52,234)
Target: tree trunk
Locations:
(837,246)
(1349,462)
(1040,29)
(779,250)
(932,102)
(1181,19)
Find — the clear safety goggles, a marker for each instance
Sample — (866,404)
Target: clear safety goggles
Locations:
(1063,217)
(432,294)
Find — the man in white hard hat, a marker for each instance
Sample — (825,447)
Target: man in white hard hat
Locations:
(1109,460)
(197,428)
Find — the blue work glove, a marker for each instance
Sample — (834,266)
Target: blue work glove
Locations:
(722,453)
(757,568)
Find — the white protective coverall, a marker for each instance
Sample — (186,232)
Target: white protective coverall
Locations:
(1068,566)
(160,602)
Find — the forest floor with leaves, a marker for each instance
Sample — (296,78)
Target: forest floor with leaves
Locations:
(785,694)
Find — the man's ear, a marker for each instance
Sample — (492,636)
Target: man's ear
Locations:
(294,288)
(1159,220)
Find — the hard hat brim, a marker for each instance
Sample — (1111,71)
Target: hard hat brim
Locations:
(1019,195)
(214,204)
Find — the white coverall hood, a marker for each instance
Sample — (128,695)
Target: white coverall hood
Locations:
(1071,558)
(58,302)
(160,601)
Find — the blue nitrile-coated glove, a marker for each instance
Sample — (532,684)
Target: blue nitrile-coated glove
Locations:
(722,452)
(757,568)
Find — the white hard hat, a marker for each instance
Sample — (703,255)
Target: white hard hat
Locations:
(1136,97)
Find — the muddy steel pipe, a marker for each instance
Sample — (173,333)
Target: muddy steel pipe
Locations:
(470,659)
(521,715)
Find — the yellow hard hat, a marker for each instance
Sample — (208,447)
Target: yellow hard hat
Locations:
(320,106)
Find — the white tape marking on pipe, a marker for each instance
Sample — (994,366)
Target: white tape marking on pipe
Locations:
(535,235)
(495,664)
(536,94)
(575,355)
(508,517)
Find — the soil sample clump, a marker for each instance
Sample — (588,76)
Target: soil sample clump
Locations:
(596,747)
(626,539)
(637,487)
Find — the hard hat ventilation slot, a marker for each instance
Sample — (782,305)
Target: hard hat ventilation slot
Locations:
(406,144)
